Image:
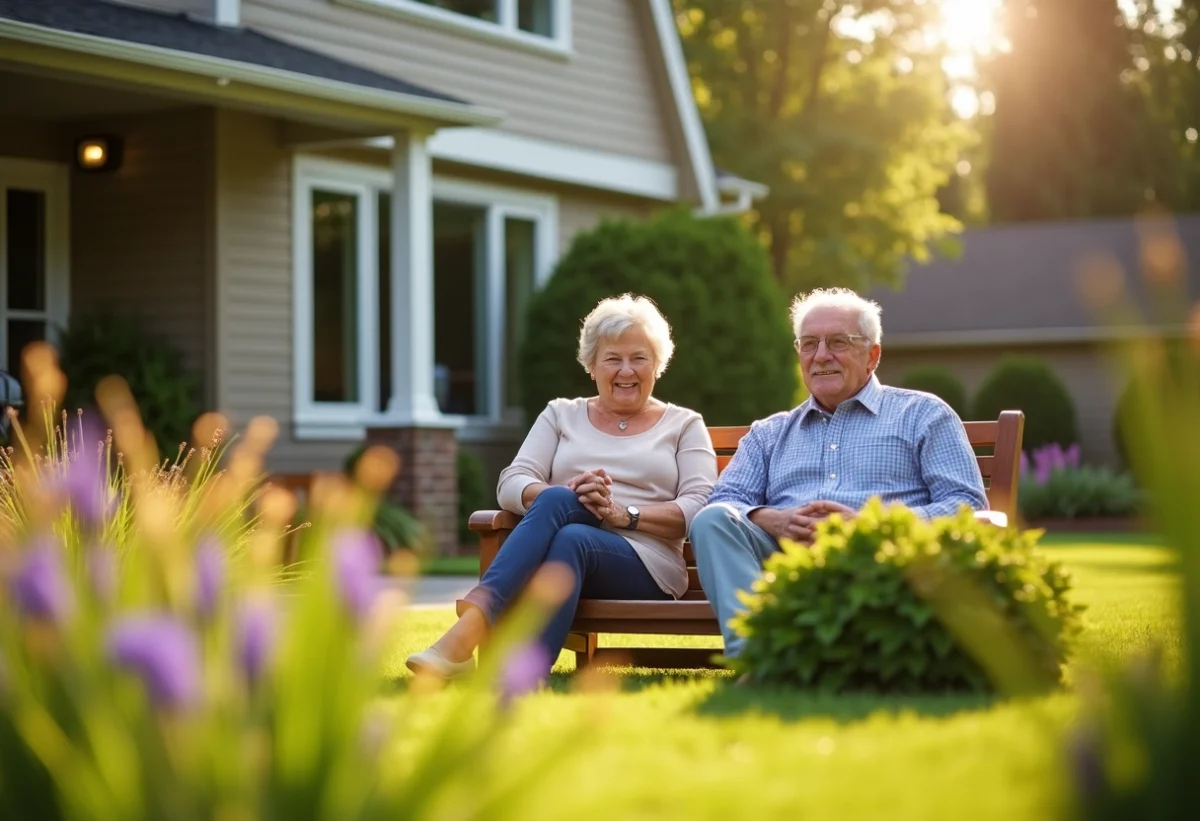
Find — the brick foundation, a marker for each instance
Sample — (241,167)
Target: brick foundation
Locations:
(427,483)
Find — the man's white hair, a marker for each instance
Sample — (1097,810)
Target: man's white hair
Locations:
(867,310)
(614,316)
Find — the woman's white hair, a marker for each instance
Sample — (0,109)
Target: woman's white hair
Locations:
(614,316)
(868,311)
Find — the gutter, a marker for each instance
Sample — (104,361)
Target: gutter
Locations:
(223,72)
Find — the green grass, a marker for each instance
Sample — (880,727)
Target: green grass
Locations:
(451,566)
(691,744)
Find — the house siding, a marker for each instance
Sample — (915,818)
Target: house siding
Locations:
(1083,368)
(254,287)
(609,95)
(32,140)
(141,236)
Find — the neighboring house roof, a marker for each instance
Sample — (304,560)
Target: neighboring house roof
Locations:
(95,27)
(1021,283)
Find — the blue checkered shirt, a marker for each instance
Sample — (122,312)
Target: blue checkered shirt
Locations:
(903,446)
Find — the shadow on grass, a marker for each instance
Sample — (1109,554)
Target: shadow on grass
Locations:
(789,704)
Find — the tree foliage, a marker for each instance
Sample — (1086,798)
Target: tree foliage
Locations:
(1070,131)
(841,109)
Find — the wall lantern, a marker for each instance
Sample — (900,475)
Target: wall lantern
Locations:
(99,153)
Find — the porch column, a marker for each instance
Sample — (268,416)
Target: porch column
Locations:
(413,425)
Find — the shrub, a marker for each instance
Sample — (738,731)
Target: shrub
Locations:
(472,494)
(939,381)
(395,525)
(1053,485)
(1030,385)
(102,344)
(734,361)
(888,602)
(190,681)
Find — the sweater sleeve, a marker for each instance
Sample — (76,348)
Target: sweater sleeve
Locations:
(532,463)
(697,463)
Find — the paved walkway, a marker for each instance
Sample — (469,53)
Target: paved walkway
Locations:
(432,592)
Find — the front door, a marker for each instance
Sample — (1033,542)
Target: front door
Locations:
(33,255)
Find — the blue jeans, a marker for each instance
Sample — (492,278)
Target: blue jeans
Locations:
(730,551)
(558,528)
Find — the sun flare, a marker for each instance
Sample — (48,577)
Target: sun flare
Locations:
(970,25)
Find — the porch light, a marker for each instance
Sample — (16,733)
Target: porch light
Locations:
(99,153)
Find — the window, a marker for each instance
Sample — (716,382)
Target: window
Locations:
(33,254)
(542,25)
(490,247)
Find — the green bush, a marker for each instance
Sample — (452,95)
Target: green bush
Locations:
(1030,385)
(888,602)
(1061,488)
(734,361)
(394,524)
(101,344)
(939,381)
(472,494)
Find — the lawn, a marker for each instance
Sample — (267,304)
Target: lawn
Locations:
(683,744)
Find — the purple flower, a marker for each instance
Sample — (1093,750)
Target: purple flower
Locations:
(255,638)
(210,576)
(356,558)
(39,586)
(1071,457)
(524,670)
(1024,463)
(163,653)
(102,572)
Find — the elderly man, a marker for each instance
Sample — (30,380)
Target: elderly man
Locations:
(852,439)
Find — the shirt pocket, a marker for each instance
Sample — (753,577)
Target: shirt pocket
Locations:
(881,462)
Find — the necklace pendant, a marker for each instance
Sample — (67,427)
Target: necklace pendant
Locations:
(622,424)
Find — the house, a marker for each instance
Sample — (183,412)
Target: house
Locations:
(1020,289)
(335,208)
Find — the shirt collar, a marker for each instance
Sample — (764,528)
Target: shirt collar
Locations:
(870,397)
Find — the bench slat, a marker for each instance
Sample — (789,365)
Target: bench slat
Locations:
(727,438)
(644,609)
(982,433)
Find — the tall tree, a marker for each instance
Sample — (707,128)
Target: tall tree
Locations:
(1070,123)
(841,108)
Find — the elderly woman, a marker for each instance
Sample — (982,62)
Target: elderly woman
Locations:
(607,485)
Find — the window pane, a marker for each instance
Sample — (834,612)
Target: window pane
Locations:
(25,241)
(536,16)
(335,296)
(481,9)
(384,203)
(20,333)
(459,268)
(519,254)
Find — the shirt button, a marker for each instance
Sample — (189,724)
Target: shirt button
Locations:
(833,447)
(833,476)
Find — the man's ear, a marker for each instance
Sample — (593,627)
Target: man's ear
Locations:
(873,357)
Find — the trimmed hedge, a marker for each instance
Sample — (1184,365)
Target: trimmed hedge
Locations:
(1029,384)
(887,602)
(939,381)
(734,361)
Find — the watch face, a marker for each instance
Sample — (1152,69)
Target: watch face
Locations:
(633,511)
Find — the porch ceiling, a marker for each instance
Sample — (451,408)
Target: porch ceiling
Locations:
(61,100)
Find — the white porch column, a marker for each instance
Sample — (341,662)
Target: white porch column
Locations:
(412,402)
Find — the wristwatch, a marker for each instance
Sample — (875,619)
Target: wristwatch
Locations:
(634,515)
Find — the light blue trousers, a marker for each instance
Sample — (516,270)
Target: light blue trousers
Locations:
(730,551)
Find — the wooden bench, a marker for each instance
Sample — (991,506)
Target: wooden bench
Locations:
(692,615)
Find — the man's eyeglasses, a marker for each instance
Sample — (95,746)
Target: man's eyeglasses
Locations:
(834,343)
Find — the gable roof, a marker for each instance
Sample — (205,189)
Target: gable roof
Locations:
(1020,283)
(141,35)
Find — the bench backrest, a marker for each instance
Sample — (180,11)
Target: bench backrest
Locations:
(999,468)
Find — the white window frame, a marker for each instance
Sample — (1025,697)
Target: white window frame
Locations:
(504,31)
(52,180)
(348,421)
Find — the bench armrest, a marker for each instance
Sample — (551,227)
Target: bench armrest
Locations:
(493,527)
(486,521)
(994,517)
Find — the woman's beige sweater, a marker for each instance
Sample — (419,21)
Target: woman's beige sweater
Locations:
(673,461)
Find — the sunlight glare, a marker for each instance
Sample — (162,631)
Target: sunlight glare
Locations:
(970,25)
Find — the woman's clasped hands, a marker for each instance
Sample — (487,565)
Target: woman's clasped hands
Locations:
(594,489)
